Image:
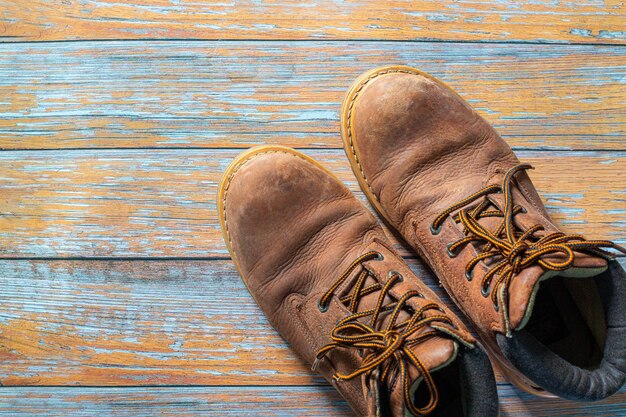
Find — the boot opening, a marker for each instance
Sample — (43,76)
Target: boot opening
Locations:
(467,387)
(574,344)
(568,318)
(448,383)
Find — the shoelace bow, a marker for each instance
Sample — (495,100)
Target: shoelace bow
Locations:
(387,348)
(511,248)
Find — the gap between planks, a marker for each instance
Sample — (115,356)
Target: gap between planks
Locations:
(328,40)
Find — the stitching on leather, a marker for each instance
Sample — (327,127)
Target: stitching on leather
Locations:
(530,197)
(306,331)
(301,249)
(357,92)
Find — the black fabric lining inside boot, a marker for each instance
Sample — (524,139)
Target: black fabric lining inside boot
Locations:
(448,383)
(557,323)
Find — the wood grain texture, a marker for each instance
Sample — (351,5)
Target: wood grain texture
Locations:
(114,116)
(493,20)
(238,94)
(173,401)
(139,323)
(136,323)
(248,401)
(161,203)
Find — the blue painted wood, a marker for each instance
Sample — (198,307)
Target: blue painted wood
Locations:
(237,94)
(150,203)
(137,323)
(593,21)
(192,322)
(109,323)
(273,401)
(269,401)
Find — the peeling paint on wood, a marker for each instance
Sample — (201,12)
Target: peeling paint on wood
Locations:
(239,94)
(138,323)
(148,79)
(592,21)
(147,203)
(302,401)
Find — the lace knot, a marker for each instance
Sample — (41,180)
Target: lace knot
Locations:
(392,339)
(516,256)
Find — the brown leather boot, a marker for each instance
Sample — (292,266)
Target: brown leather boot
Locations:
(322,270)
(548,306)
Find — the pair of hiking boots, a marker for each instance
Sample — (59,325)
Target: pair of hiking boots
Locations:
(548,308)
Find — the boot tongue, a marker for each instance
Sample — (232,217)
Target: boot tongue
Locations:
(433,352)
(525,285)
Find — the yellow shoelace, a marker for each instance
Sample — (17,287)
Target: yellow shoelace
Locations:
(511,248)
(387,348)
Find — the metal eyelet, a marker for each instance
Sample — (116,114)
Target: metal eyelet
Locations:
(450,253)
(379,256)
(469,275)
(322,308)
(400,277)
(485,291)
(435,231)
(523,210)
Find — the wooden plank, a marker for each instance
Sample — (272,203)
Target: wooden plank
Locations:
(161,203)
(139,323)
(248,401)
(136,323)
(492,20)
(173,401)
(238,94)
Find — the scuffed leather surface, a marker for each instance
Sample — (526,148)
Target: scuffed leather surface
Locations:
(419,148)
(294,229)
(422,148)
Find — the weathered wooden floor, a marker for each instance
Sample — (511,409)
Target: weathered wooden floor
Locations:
(117,118)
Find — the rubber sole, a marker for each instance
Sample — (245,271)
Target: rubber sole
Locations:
(348,137)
